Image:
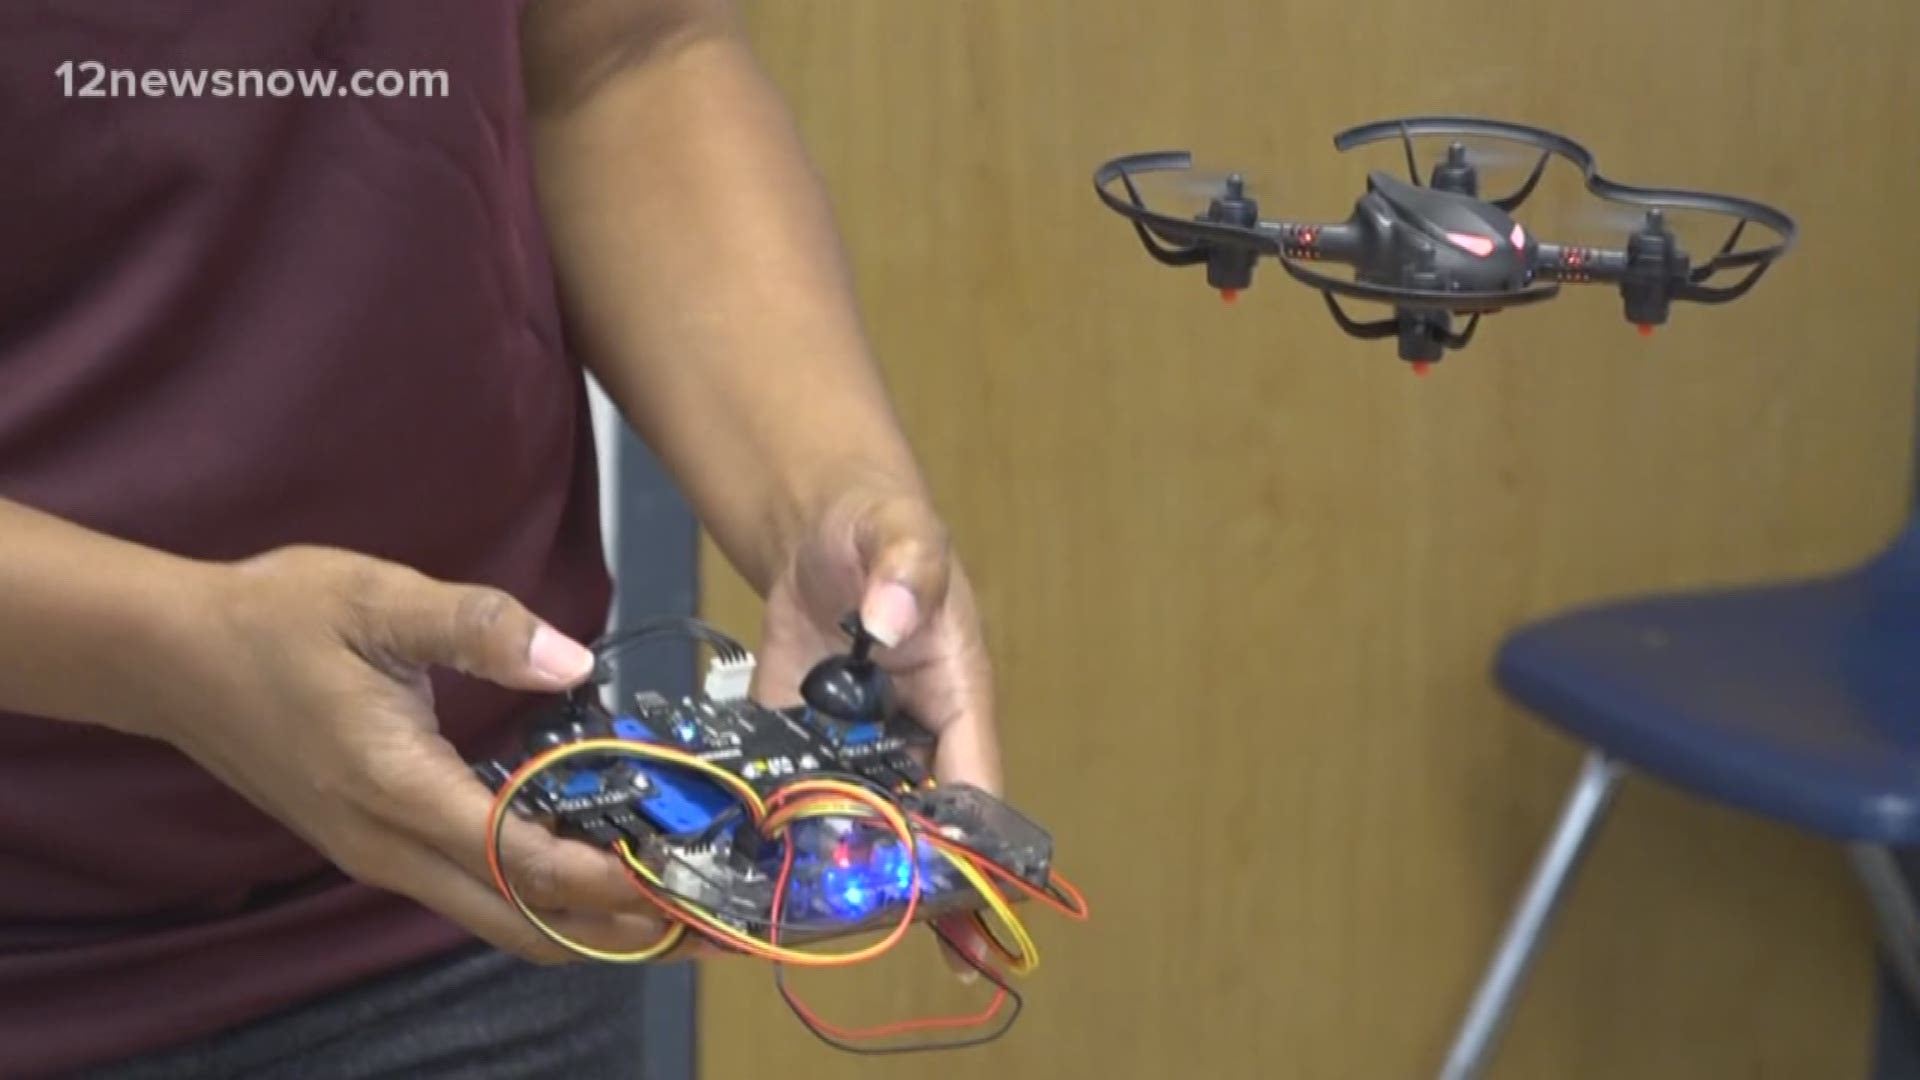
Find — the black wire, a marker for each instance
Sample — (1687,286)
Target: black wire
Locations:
(711,834)
(992,974)
(617,641)
(725,646)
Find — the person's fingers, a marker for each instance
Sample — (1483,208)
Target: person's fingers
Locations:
(968,753)
(562,874)
(480,631)
(960,930)
(622,932)
(440,802)
(401,864)
(448,889)
(958,707)
(905,555)
(398,864)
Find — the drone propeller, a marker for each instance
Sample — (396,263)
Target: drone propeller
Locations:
(1199,184)
(1164,233)
(1459,170)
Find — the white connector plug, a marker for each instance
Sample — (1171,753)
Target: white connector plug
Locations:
(729,680)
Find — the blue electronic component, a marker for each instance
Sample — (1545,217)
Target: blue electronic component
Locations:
(859,734)
(685,729)
(681,802)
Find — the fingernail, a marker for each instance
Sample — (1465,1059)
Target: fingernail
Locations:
(890,613)
(558,656)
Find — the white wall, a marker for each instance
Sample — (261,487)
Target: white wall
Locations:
(606,436)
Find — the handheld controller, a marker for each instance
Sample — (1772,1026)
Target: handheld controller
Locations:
(761,829)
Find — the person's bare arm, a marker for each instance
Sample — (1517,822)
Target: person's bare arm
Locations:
(705,283)
(90,625)
(297,678)
(701,267)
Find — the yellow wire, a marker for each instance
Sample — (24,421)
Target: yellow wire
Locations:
(768,949)
(779,819)
(989,894)
(770,825)
(1029,953)
(525,775)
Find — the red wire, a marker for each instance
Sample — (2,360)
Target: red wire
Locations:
(1078,912)
(780,885)
(900,1027)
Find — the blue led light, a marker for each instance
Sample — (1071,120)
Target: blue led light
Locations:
(893,870)
(854,879)
(860,734)
(849,891)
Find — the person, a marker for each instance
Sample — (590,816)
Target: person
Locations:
(298,503)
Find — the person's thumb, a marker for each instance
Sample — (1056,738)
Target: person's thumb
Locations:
(904,552)
(480,631)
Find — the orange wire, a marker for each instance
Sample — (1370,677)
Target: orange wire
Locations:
(829,792)
(1078,912)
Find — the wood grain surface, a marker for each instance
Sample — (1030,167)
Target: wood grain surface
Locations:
(1244,577)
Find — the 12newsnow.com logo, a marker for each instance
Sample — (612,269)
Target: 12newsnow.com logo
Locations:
(93,79)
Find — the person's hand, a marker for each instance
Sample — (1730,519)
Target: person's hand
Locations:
(883,551)
(314,704)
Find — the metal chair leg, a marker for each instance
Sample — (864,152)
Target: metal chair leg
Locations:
(1487,1017)
(1895,911)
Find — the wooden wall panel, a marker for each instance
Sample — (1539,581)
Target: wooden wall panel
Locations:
(1244,576)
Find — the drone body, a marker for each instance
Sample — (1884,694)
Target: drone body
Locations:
(1438,249)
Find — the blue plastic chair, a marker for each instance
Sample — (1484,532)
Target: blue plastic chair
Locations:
(1798,702)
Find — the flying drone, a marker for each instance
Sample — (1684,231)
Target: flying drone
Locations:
(1439,249)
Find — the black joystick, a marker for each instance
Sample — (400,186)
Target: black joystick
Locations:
(572,722)
(850,689)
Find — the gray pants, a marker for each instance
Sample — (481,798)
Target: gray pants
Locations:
(477,1014)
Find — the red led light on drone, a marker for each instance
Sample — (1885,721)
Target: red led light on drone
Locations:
(1479,245)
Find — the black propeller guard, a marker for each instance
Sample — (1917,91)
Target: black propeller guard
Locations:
(1552,144)
(1419,267)
(1193,235)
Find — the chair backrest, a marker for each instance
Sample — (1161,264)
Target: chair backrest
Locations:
(1899,566)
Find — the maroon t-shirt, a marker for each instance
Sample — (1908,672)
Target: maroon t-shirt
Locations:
(234,322)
